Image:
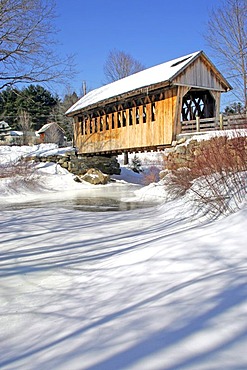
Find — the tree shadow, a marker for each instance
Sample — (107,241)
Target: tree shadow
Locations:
(58,251)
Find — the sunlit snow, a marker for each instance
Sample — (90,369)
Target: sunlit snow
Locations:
(154,288)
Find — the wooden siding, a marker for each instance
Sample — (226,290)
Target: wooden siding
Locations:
(200,74)
(138,133)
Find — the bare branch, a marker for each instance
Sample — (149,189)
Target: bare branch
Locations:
(27,43)
(119,65)
(227,37)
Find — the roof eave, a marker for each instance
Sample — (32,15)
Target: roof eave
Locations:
(117,98)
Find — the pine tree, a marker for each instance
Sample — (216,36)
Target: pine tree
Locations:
(38,103)
(8,106)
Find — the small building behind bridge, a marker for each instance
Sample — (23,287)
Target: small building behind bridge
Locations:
(147,110)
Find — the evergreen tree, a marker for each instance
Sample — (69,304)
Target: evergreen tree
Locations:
(38,103)
(234,108)
(8,106)
(69,100)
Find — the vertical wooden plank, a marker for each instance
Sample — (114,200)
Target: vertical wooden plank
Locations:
(221,122)
(182,90)
(148,126)
(197,123)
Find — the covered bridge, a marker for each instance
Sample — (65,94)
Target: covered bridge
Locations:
(145,111)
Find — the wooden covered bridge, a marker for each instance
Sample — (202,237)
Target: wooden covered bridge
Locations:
(147,110)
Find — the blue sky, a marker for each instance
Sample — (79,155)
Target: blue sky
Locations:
(152,31)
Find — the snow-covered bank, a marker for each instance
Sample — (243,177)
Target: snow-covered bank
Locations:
(55,182)
(160,288)
(11,153)
(135,290)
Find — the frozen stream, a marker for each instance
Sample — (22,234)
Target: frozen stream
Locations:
(96,199)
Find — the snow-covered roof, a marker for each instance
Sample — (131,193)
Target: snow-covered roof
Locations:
(160,73)
(48,125)
(4,125)
(16,133)
(44,128)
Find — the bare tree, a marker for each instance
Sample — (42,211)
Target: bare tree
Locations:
(25,125)
(119,65)
(27,43)
(227,38)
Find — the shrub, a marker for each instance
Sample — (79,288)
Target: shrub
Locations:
(136,164)
(215,174)
(19,171)
(151,174)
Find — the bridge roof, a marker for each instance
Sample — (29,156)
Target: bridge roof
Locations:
(161,73)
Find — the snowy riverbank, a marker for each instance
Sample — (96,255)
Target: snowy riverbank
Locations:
(156,288)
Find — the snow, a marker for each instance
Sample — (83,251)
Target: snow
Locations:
(207,135)
(16,133)
(153,288)
(160,73)
(12,153)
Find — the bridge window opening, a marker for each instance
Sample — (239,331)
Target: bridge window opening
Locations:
(80,121)
(130,117)
(144,114)
(101,124)
(112,121)
(137,115)
(119,120)
(90,126)
(107,122)
(95,124)
(85,126)
(153,111)
(197,103)
(124,118)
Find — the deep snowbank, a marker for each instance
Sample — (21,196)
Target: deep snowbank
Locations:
(159,288)
(150,289)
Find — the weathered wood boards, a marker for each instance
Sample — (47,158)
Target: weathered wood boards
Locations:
(136,124)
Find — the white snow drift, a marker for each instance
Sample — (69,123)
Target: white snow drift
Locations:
(157,288)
